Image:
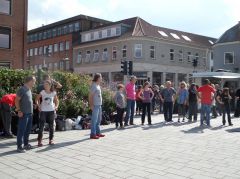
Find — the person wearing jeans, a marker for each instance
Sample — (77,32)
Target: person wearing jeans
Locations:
(206,94)
(146,97)
(168,97)
(24,107)
(95,102)
(131,97)
(47,108)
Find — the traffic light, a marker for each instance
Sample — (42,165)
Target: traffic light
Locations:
(130,68)
(124,67)
(195,62)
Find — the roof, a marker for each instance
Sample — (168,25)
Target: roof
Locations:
(139,27)
(222,75)
(231,35)
(66,21)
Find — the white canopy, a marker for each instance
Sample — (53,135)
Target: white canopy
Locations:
(222,75)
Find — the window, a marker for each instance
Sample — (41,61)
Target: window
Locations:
(124,51)
(86,37)
(197,56)
(40,51)
(76,26)
(162,33)
(35,51)
(35,37)
(54,32)
(186,38)
(61,48)
(118,31)
(59,31)
(152,52)
(31,52)
(96,56)
(71,28)
(189,57)
(79,57)
(67,45)
(92,36)
(104,33)
(61,65)
(65,29)
(49,34)
(50,49)
(228,58)
(44,35)
(55,66)
(45,49)
(55,47)
(67,65)
(108,32)
(96,35)
(180,56)
(88,56)
(175,36)
(105,54)
(5,6)
(113,31)
(138,50)
(100,34)
(5,37)
(114,53)
(40,36)
(171,54)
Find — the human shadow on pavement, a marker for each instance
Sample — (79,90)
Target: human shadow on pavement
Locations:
(233,130)
(195,130)
(12,143)
(157,125)
(61,144)
(218,127)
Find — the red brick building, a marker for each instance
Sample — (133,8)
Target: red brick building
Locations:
(51,45)
(13,33)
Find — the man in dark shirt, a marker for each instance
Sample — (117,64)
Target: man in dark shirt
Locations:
(24,107)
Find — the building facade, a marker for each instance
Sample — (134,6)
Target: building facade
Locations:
(51,45)
(13,33)
(158,54)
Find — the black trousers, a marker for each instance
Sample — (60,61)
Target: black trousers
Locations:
(46,117)
(168,111)
(192,111)
(226,109)
(6,116)
(119,119)
(237,109)
(146,107)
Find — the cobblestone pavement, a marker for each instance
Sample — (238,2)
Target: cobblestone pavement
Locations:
(158,151)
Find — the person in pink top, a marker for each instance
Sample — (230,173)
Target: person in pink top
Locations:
(131,97)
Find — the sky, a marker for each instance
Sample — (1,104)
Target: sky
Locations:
(204,17)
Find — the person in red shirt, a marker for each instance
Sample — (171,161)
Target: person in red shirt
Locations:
(206,93)
(7,102)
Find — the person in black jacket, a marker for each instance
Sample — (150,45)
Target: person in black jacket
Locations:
(237,109)
(224,99)
(193,102)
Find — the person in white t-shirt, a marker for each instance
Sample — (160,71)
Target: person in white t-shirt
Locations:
(47,107)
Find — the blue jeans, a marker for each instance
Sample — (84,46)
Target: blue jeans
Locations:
(24,129)
(96,120)
(205,113)
(130,111)
(168,111)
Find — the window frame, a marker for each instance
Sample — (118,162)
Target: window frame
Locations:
(124,51)
(114,53)
(152,50)
(233,60)
(9,33)
(137,48)
(171,55)
(10,9)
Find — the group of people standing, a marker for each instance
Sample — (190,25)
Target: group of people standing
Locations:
(187,99)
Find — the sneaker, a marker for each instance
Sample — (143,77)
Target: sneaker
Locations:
(21,150)
(94,137)
(28,147)
(231,124)
(100,135)
(126,124)
(178,120)
(51,142)
(9,136)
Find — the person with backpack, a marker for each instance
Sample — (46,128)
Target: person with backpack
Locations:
(224,100)
(182,96)
(47,107)
(146,96)
(120,102)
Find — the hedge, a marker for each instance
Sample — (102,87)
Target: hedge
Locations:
(73,96)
